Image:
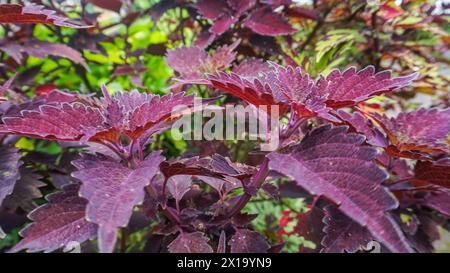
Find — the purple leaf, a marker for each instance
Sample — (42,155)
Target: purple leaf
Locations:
(41,49)
(342,233)
(34,14)
(199,63)
(222,246)
(363,126)
(58,223)
(265,21)
(9,170)
(439,202)
(158,9)
(331,162)
(211,9)
(252,68)
(248,241)
(179,185)
(63,121)
(25,190)
(423,130)
(241,6)
(223,23)
(112,191)
(132,114)
(195,242)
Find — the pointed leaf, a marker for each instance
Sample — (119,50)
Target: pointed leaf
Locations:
(437,173)
(112,191)
(265,21)
(331,162)
(34,14)
(248,241)
(342,233)
(25,190)
(192,63)
(422,130)
(58,223)
(9,170)
(195,242)
(179,185)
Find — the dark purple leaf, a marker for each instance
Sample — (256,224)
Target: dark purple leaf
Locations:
(112,191)
(342,234)
(113,5)
(195,242)
(265,21)
(25,190)
(331,162)
(58,223)
(222,246)
(9,170)
(179,185)
(248,241)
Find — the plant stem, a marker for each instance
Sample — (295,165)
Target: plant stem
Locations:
(257,180)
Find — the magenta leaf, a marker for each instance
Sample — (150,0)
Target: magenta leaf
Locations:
(126,114)
(332,163)
(265,21)
(62,121)
(365,127)
(223,23)
(34,14)
(342,234)
(58,223)
(179,185)
(248,241)
(211,9)
(113,190)
(195,242)
(198,63)
(422,130)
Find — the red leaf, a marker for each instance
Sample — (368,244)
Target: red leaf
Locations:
(45,89)
(34,14)
(437,173)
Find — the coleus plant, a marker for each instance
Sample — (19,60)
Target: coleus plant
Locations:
(361,173)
